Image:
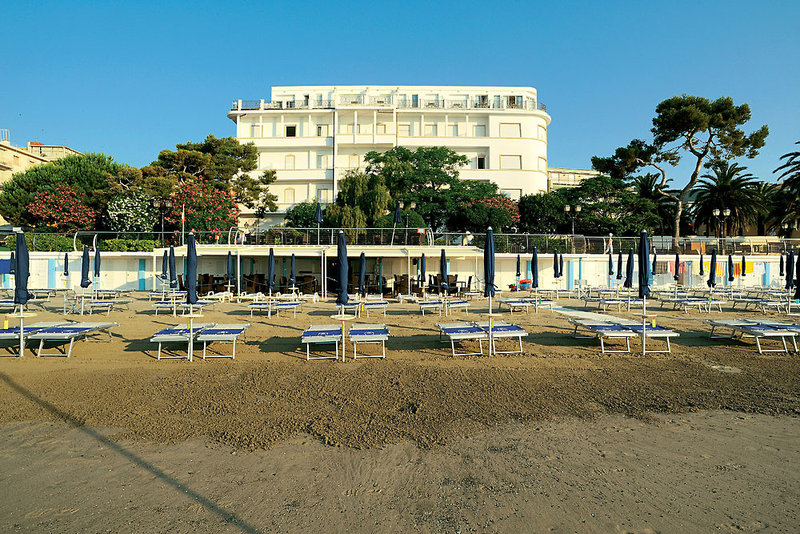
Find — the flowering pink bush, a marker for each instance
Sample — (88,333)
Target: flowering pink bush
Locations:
(207,209)
(502,204)
(62,210)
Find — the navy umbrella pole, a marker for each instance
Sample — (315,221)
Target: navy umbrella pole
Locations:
(644,282)
(85,281)
(535,269)
(789,269)
(96,269)
(293,278)
(173,271)
(730,268)
(619,265)
(422,273)
(398,218)
(561,265)
(654,262)
(488,274)
(191,287)
(518,273)
(342,270)
(21,286)
(676,276)
(797,282)
(610,265)
(702,272)
(781,272)
(743,266)
(445,285)
(712,270)
(165,268)
(318,219)
(555,265)
(271,271)
(66,265)
(362,275)
(629,271)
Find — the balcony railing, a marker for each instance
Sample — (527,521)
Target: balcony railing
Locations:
(244,105)
(390,101)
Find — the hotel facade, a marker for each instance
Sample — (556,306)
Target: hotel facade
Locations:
(312,135)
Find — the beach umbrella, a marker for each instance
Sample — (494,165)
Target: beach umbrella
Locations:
(97,262)
(230,268)
(422,270)
(191,270)
(629,271)
(13,268)
(362,274)
(21,294)
(654,261)
(619,265)
(173,271)
(555,265)
(517,267)
(293,277)
(271,271)
(702,271)
(730,268)
(797,284)
(610,265)
(165,266)
(743,266)
(644,266)
(535,269)
(781,273)
(445,285)
(318,219)
(789,269)
(677,267)
(712,270)
(561,265)
(66,264)
(85,282)
(488,267)
(342,270)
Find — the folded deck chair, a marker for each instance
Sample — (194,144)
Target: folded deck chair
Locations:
(429,305)
(224,333)
(322,334)
(177,334)
(502,329)
(757,330)
(369,333)
(458,332)
(603,330)
(60,335)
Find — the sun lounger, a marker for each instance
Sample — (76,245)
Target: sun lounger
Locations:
(168,295)
(762,304)
(603,330)
(107,305)
(430,305)
(502,329)
(757,330)
(369,333)
(375,305)
(461,304)
(275,306)
(652,332)
(526,303)
(9,337)
(58,336)
(177,334)
(322,334)
(224,333)
(458,332)
(44,294)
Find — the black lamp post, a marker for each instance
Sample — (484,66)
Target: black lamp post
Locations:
(162,204)
(410,207)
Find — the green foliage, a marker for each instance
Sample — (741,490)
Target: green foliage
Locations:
(499,212)
(543,213)
(207,209)
(131,212)
(90,175)
(728,187)
(42,242)
(414,219)
(362,199)
(302,215)
(129,245)
(254,192)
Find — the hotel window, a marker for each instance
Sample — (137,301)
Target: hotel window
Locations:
(514,101)
(306,99)
(513,194)
(414,101)
(324,196)
(511,162)
(255,130)
(510,129)
(479,130)
(291,131)
(454,130)
(480,162)
(430,130)
(347,128)
(404,130)
(482,101)
(322,161)
(289,161)
(322,130)
(542,133)
(319,100)
(353,161)
(365,128)
(288,196)
(380,128)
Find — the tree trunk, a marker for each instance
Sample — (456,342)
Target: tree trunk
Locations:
(677,235)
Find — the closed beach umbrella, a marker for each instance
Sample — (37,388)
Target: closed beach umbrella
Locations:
(561,265)
(712,269)
(743,266)
(422,269)
(644,266)
(654,261)
(730,268)
(173,271)
(610,265)
(535,269)
(702,271)
(13,268)
(445,285)
(517,266)
(629,271)
(22,271)
(677,267)
(85,282)
(797,283)
(398,213)
(362,274)
(97,262)
(293,276)
(342,270)
(488,266)
(271,271)
(781,273)
(789,270)
(619,265)
(555,265)
(318,214)
(229,270)
(66,264)
(191,270)
(165,267)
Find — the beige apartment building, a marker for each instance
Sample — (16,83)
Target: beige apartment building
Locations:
(15,159)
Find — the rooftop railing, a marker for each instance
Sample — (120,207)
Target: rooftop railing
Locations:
(390,101)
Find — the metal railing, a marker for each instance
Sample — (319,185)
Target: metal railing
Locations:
(393,101)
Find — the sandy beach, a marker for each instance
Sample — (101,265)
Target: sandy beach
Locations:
(559,438)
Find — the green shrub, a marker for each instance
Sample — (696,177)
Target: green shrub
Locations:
(129,245)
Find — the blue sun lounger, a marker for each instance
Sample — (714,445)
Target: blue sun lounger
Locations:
(430,305)
(322,334)
(275,306)
(107,305)
(369,333)
(525,303)
(60,335)
(651,332)
(502,329)
(603,330)
(375,305)
(461,304)
(224,333)
(458,332)
(9,337)
(177,334)
(757,330)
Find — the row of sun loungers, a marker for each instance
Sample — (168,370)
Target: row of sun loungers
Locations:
(758,330)
(479,331)
(206,333)
(617,328)
(57,334)
(333,334)
(525,303)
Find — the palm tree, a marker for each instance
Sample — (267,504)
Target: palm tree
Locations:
(729,187)
(767,195)
(791,171)
(786,210)
(647,187)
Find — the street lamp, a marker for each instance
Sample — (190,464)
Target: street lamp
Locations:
(572,215)
(411,206)
(162,204)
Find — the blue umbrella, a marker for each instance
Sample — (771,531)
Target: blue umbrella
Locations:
(318,219)
(230,268)
(797,284)
(293,277)
(712,270)
(362,274)
(443,268)
(535,269)
(488,267)
(342,270)
(85,282)
(422,269)
(97,262)
(629,271)
(730,268)
(743,266)
(66,264)
(644,266)
(702,272)
(21,295)
(13,268)
(561,265)
(654,261)
(398,213)
(610,265)
(677,267)
(781,266)
(271,271)
(173,271)
(555,265)
(789,269)
(517,266)
(165,267)
(619,265)
(191,270)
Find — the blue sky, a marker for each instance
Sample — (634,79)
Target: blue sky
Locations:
(132,78)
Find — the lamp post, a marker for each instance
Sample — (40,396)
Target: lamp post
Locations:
(574,213)
(411,206)
(162,204)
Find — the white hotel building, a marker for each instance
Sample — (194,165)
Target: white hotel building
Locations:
(311,135)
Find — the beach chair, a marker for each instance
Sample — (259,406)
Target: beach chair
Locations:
(459,332)
(501,330)
(460,304)
(430,305)
(276,306)
(177,334)
(651,332)
(107,305)
(757,330)
(603,330)
(791,327)
(322,334)
(9,337)
(66,334)
(369,333)
(524,303)
(43,294)
(375,305)
(224,333)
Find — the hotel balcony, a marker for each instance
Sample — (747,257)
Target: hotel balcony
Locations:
(392,101)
